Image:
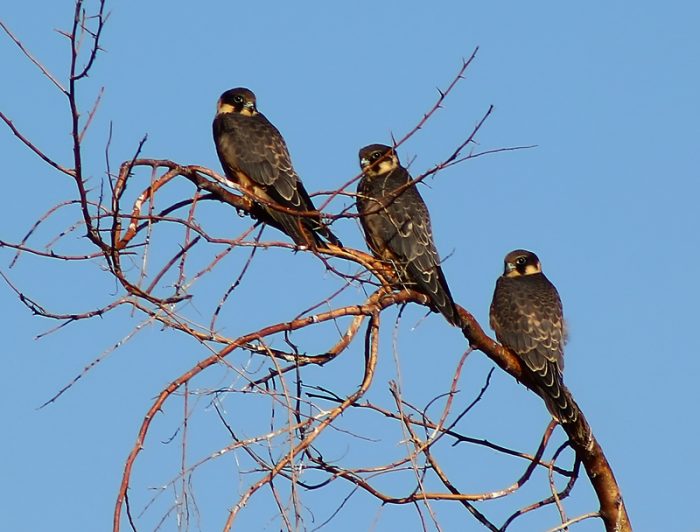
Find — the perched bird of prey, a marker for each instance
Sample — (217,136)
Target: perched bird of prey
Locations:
(397,227)
(255,156)
(528,318)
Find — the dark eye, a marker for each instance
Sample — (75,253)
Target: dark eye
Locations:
(520,261)
(238,98)
(376,155)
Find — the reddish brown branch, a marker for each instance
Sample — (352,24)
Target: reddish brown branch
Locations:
(35,61)
(556,496)
(441,99)
(40,153)
(437,105)
(587,449)
(375,304)
(371,351)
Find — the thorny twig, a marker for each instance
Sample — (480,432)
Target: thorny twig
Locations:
(301,429)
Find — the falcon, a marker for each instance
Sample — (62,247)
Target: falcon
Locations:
(255,157)
(528,318)
(397,228)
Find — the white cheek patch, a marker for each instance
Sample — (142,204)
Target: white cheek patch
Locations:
(386,166)
(222,108)
(532,268)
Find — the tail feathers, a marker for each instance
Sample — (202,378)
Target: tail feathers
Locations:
(562,406)
(431,281)
(448,309)
(326,233)
(560,403)
(304,231)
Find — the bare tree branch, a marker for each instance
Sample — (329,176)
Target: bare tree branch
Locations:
(123,219)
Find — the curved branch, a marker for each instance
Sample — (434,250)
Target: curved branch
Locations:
(372,307)
(612,508)
(588,451)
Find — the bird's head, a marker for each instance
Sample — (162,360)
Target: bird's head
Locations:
(521,262)
(378,159)
(239,100)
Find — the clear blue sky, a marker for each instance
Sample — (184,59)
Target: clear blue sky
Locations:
(609,200)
